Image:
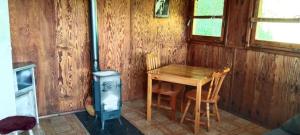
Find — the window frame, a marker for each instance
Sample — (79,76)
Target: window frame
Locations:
(202,38)
(273,45)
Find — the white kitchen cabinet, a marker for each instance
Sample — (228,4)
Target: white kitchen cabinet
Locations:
(25,89)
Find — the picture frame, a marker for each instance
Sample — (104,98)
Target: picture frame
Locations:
(161,8)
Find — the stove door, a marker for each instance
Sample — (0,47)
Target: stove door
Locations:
(110,89)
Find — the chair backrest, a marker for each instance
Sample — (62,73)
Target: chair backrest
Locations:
(216,83)
(152,61)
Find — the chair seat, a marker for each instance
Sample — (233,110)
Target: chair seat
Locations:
(16,123)
(155,88)
(169,92)
(166,89)
(192,95)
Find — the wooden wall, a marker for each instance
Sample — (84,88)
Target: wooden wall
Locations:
(114,29)
(263,87)
(128,31)
(54,34)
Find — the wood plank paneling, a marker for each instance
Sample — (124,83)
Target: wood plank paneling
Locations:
(214,57)
(54,35)
(239,79)
(114,33)
(247,83)
(286,90)
(29,44)
(72,53)
(254,72)
(146,34)
(264,87)
(264,82)
(128,31)
(238,20)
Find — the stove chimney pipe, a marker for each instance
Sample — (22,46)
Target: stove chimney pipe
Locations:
(94,36)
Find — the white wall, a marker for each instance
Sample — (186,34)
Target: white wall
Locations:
(7,94)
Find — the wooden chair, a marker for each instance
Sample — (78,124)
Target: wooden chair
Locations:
(208,97)
(163,90)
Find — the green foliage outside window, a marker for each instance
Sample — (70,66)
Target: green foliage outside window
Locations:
(278,31)
(209,7)
(209,25)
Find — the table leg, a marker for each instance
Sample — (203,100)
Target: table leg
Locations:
(149,98)
(197,108)
(182,100)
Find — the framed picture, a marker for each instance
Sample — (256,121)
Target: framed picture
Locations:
(161,8)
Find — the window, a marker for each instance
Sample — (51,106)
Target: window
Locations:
(276,24)
(208,20)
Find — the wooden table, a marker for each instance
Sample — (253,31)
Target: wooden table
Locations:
(182,74)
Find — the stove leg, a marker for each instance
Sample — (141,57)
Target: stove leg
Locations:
(96,118)
(120,121)
(103,123)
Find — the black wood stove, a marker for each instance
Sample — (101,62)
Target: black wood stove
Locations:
(106,84)
(107,95)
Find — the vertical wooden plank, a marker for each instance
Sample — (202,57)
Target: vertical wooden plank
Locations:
(33,39)
(73,66)
(198,55)
(114,35)
(249,87)
(263,86)
(286,91)
(210,58)
(239,76)
(238,19)
(225,59)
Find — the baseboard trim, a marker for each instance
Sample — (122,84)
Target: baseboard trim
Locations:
(60,114)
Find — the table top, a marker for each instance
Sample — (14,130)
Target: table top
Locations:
(183,71)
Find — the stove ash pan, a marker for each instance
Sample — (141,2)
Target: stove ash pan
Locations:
(107,95)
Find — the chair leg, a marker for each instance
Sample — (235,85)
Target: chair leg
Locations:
(158,100)
(185,110)
(173,107)
(217,112)
(207,115)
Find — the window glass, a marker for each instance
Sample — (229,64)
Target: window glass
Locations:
(209,7)
(278,32)
(208,18)
(207,27)
(279,8)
